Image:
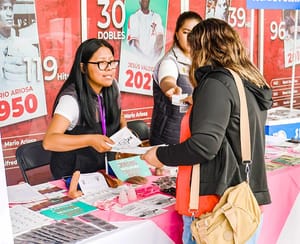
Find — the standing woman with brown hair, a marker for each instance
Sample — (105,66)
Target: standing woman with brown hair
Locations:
(213,132)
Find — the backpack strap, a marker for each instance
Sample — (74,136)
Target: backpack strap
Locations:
(245,145)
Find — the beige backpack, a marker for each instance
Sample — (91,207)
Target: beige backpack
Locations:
(233,220)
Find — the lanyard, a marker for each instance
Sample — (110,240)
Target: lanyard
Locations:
(102,114)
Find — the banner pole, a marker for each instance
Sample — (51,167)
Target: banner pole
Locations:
(83,19)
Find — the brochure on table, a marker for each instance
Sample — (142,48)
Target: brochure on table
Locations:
(128,167)
(24,193)
(5,222)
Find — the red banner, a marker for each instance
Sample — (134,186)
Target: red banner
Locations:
(55,31)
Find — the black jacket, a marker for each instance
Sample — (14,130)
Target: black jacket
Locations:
(215,134)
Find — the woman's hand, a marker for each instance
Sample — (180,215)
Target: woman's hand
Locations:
(169,87)
(101,143)
(173,91)
(151,158)
(56,140)
(188,99)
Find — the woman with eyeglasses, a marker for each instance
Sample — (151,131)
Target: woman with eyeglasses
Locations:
(86,112)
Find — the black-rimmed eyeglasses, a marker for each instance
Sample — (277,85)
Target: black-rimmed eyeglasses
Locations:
(103,65)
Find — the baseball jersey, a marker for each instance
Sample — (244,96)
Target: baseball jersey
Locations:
(145,28)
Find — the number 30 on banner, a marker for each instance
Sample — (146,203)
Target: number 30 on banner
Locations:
(111,18)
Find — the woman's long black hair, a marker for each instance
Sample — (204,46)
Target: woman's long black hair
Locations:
(86,96)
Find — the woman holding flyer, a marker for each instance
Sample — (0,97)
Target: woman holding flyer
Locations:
(86,112)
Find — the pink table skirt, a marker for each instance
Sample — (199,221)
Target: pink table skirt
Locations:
(170,222)
(284,186)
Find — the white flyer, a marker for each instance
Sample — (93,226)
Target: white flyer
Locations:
(124,140)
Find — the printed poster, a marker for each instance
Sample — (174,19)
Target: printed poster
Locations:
(22,93)
(217,9)
(279,56)
(236,14)
(292,38)
(142,46)
(109,19)
(29,109)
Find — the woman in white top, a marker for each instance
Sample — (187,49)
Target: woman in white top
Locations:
(86,112)
(171,77)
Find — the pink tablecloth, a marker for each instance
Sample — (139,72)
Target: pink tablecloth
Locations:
(284,186)
(170,222)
